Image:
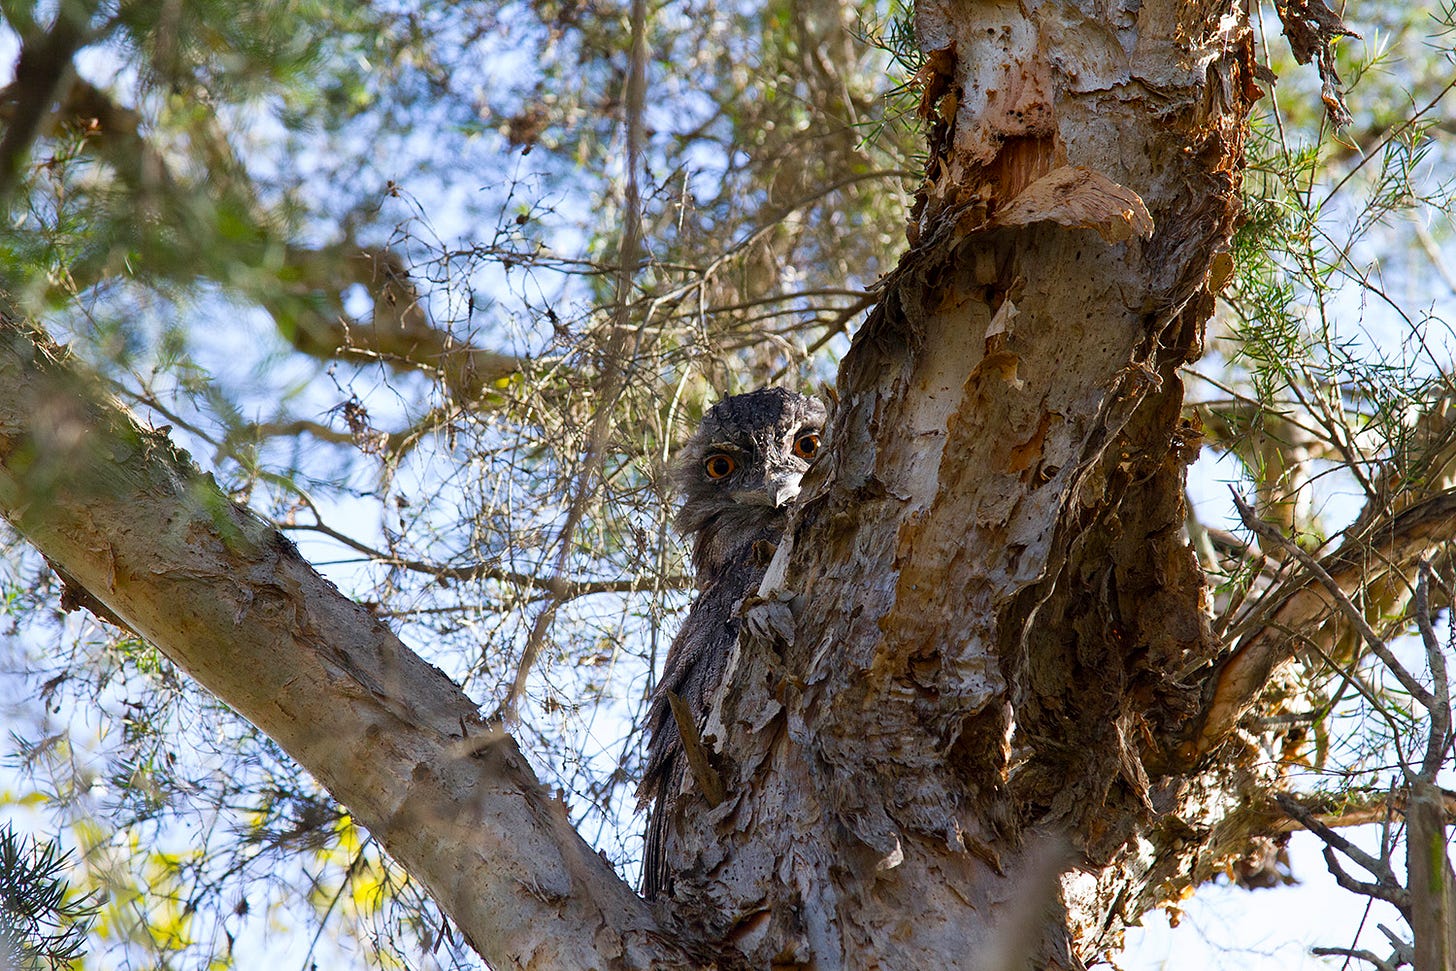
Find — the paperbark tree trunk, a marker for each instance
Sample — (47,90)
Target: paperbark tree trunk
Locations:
(961,738)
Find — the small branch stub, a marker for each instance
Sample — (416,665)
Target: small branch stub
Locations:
(709,782)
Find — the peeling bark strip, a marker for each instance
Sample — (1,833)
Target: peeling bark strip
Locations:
(1312,29)
(131,520)
(991,589)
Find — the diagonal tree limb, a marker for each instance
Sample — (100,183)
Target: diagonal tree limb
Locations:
(1342,810)
(1341,599)
(133,522)
(1396,545)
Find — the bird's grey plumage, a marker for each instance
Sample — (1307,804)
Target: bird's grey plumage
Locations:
(735,512)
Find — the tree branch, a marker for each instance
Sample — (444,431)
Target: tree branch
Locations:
(560,587)
(399,333)
(1346,811)
(1395,546)
(1378,868)
(1438,738)
(710,783)
(1341,600)
(231,602)
(1370,956)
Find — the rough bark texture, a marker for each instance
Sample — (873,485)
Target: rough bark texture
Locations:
(131,520)
(980,720)
(964,753)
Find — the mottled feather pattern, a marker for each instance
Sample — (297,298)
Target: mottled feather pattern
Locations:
(737,477)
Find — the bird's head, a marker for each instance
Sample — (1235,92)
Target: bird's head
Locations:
(744,465)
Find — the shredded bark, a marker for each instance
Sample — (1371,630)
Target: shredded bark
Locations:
(1312,29)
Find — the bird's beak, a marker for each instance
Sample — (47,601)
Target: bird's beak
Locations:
(777,491)
(782,490)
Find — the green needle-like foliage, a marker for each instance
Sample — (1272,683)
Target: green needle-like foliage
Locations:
(42,923)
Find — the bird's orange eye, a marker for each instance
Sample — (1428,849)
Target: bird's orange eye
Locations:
(718,465)
(806,446)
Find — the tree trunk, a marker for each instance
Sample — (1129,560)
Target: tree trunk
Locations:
(964,746)
(1430,879)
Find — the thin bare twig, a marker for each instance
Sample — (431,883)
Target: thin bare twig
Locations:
(1400,539)
(1370,956)
(1439,737)
(1394,132)
(1360,812)
(1378,868)
(559,587)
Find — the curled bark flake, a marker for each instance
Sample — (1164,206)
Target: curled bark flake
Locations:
(74,596)
(1077,196)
